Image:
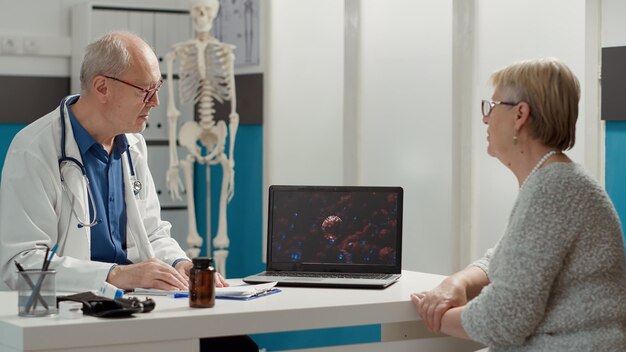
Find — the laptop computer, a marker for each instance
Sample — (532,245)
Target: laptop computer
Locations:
(333,236)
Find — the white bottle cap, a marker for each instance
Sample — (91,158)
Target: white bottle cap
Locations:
(70,310)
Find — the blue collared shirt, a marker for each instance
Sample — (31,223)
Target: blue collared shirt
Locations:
(106,179)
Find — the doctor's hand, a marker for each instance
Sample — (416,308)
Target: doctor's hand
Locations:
(220,281)
(152,273)
(431,305)
(184,266)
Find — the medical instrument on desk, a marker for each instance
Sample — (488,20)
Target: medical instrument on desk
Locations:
(70,161)
(146,305)
(104,307)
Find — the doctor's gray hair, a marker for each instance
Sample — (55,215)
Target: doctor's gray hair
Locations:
(107,56)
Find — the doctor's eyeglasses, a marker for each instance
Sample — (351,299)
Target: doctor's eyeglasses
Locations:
(149,92)
(486,106)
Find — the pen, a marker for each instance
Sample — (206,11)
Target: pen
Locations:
(178,295)
(43,266)
(52,252)
(263,292)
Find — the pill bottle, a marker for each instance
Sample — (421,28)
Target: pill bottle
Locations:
(202,283)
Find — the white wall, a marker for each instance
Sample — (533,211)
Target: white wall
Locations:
(508,31)
(34,18)
(304,92)
(613,24)
(404,107)
(405,119)
(48,19)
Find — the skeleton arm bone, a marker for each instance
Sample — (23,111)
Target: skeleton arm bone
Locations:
(174,183)
(233,116)
(233,125)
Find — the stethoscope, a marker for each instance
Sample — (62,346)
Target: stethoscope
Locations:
(70,161)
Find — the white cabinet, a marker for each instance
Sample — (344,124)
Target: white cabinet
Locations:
(158,159)
(160,27)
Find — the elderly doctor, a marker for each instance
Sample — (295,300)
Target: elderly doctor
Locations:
(79,177)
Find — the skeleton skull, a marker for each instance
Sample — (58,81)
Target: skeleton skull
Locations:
(203,12)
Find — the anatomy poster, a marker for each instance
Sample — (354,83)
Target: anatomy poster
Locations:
(237,23)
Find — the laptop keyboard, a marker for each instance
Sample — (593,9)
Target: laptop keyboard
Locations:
(329,275)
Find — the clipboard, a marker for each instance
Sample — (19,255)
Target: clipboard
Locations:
(243,292)
(249,298)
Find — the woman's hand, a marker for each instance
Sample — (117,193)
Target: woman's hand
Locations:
(452,292)
(431,305)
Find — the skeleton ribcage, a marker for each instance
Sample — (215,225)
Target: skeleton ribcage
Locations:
(217,79)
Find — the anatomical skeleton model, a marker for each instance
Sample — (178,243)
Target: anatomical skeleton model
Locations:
(206,74)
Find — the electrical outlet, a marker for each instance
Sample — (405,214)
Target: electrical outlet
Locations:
(35,46)
(11,45)
(31,46)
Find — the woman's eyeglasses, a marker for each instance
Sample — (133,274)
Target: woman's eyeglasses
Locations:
(487,106)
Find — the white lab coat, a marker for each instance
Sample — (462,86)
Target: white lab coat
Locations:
(35,209)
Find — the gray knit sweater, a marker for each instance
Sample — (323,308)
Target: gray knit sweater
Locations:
(558,274)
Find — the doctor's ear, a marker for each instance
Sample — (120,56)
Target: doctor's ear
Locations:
(100,87)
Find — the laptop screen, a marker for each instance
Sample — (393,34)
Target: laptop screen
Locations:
(322,228)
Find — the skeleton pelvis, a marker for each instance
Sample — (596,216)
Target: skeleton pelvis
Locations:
(191,133)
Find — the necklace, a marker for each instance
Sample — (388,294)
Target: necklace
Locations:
(547,156)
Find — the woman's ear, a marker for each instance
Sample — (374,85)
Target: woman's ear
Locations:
(522,115)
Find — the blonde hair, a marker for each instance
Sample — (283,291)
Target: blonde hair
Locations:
(551,90)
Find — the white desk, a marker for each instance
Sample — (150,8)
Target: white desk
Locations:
(173,326)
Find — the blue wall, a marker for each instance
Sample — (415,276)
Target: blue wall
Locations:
(7,132)
(318,338)
(245,210)
(615,172)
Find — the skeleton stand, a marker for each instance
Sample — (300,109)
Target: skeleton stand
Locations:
(206,73)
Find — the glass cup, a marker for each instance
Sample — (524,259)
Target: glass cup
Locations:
(36,293)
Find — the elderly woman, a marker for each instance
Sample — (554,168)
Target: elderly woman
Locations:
(556,280)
